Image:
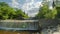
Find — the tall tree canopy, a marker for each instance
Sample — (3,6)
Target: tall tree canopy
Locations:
(7,12)
(46,13)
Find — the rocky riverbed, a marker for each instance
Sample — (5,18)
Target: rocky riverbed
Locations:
(51,30)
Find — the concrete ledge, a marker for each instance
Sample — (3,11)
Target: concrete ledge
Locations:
(18,20)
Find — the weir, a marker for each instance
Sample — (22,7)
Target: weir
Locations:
(19,24)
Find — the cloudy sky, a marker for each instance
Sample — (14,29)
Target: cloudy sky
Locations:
(29,6)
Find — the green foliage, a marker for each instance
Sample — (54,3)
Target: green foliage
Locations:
(58,12)
(51,14)
(3,4)
(21,14)
(46,13)
(7,12)
(42,11)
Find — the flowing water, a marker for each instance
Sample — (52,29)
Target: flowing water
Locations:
(13,27)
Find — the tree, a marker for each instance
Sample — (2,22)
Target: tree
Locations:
(12,13)
(46,13)
(4,10)
(42,11)
(58,12)
(7,12)
(3,4)
(20,14)
(52,14)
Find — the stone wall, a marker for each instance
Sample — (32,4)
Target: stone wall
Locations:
(48,22)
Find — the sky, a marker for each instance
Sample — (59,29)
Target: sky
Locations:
(30,7)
